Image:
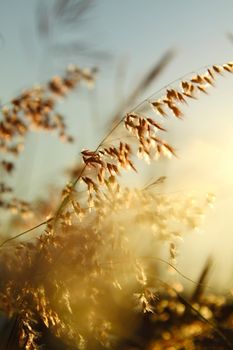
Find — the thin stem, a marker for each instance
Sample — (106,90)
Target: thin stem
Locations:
(25,232)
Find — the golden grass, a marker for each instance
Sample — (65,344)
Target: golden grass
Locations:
(95,264)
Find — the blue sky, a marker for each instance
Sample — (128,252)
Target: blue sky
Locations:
(138,30)
(135,33)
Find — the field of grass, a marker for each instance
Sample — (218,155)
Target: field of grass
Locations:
(91,274)
(93,265)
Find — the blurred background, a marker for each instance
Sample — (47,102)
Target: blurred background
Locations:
(127,40)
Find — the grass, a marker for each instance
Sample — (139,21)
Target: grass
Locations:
(91,277)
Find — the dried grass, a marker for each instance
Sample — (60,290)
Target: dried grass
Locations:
(89,268)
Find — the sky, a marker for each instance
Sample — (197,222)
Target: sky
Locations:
(133,34)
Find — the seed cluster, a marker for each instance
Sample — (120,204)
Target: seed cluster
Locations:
(35,110)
